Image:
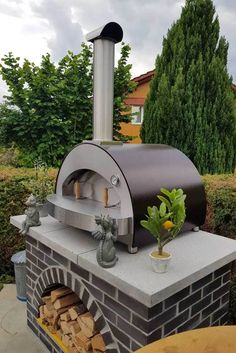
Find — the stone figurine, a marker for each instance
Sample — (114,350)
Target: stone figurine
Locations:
(32,215)
(107,234)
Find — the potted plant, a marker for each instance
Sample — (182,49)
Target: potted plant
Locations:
(164,223)
(41,185)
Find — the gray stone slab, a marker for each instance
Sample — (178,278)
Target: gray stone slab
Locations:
(194,255)
(65,240)
(48,223)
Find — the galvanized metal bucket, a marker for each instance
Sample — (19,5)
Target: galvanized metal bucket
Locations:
(19,260)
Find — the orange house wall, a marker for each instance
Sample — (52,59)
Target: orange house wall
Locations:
(130,129)
(141,91)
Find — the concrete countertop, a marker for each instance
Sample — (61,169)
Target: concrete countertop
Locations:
(194,255)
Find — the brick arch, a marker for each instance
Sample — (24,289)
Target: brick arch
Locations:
(57,275)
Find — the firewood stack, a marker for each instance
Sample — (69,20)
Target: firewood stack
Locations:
(65,315)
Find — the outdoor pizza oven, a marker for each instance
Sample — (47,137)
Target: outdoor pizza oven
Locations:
(104,177)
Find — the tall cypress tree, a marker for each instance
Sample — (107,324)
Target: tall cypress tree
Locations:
(190,104)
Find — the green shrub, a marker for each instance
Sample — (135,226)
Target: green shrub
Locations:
(221,219)
(12,197)
(13,194)
(221,204)
(7,279)
(9,156)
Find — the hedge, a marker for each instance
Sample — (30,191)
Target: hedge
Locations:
(13,195)
(11,202)
(221,204)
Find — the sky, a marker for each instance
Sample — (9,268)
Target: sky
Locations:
(31,28)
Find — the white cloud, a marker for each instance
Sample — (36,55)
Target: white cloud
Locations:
(20,33)
(66,34)
(30,28)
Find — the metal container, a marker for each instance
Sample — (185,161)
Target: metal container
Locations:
(19,260)
(132,175)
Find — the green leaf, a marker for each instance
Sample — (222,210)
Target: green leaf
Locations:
(150,211)
(163,199)
(165,192)
(162,209)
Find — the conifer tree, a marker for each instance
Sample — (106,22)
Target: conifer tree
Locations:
(190,103)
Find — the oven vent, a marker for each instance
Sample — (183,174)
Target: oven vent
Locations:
(104,40)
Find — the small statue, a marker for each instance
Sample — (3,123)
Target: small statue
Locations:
(106,252)
(32,215)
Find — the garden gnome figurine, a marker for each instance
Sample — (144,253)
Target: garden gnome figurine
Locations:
(32,215)
(106,252)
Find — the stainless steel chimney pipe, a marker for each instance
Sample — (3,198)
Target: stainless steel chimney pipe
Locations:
(104,40)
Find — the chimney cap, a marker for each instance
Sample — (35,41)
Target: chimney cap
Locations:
(111,31)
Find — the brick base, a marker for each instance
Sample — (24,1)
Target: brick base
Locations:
(125,323)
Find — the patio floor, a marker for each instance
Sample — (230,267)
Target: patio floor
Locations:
(15,336)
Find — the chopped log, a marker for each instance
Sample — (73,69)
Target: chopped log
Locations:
(65,340)
(48,313)
(87,324)
(72,350)
(65,328)
(52,329)
(45,322)
(78,347)
(41,312)
(87,318)
(46,298)
(56,324)
(57,313)
(49,305)
(83,350)
(71,343)
(81,340)
(77,310)
(47,301)
(75,328)
(50,323)
(73,313)
(59,333)
(59,292)
(65,316)
(67,300)
(98,343)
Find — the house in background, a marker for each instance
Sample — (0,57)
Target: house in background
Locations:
(136,101)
